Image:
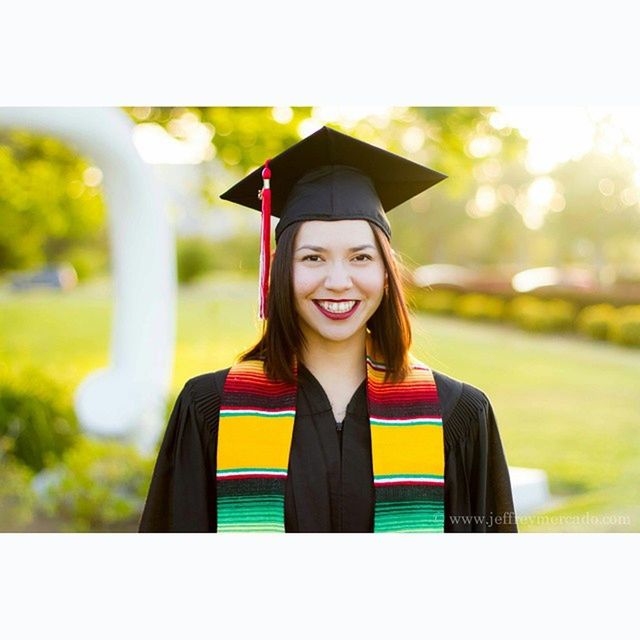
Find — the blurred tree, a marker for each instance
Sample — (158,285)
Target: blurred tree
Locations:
(52,208)
(50,201)
(465,143)
(601,213)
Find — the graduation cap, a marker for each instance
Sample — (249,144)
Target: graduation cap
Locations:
(328,176)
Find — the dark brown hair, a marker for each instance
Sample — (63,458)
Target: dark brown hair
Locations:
(282,337)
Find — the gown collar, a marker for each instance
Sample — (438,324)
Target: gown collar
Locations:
(320,402)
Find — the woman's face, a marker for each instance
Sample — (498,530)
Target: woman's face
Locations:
(338,278)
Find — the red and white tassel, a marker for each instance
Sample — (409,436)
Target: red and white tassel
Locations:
(265,240)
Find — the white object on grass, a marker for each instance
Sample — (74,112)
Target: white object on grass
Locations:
(127,398)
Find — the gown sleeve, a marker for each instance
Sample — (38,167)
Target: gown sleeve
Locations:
(180,494)
(478,496)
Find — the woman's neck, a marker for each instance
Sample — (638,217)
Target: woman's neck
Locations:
(344,360)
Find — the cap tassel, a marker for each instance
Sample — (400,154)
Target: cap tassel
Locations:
(265,240)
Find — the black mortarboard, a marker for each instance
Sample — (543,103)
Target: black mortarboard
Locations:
(328,176)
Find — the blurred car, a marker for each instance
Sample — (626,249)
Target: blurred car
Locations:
(490,280)
(450,275)
(63,277)
(574,278)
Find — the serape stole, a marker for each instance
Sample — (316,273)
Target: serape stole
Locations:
(254,439)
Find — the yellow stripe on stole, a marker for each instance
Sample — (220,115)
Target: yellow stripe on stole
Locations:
(403,449)
(252,441)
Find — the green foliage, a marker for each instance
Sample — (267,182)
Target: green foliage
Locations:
(47,201)
(37,420)
(97,486)
(433,300)
(88,261)
(625,328)
(194,258)
(533,314)
(197,256)
(435,222)
(242,136)
(599,321)
(478,306)
(17,498)
(595,320)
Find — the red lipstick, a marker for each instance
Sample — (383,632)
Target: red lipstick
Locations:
(338,316)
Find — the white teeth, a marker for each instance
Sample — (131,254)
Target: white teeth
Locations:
(337,307)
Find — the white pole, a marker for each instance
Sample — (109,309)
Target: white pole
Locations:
(127,398)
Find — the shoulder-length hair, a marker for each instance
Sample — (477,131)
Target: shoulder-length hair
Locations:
(282,337)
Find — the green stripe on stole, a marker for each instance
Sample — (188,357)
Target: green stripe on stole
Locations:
(256,424)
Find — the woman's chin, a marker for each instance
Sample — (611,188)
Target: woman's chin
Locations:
(336,334)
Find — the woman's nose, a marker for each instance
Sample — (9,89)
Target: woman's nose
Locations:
(338,277)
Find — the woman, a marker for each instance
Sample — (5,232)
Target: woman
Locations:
(329,423)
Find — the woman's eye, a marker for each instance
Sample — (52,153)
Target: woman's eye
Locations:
(363,257)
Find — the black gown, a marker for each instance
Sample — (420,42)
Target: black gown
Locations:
(329,485)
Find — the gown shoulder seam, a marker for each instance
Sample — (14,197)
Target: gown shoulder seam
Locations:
(205,394)
(464,421)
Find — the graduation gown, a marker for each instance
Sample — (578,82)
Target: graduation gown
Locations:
(329,484)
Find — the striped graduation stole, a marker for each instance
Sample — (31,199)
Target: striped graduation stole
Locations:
(254,439)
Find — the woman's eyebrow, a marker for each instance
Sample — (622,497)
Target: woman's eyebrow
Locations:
(322,249)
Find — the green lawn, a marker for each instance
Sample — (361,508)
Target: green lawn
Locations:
(564,404)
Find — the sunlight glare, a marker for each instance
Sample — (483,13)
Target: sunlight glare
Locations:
(555,134)
(486,199)
(282,115)
(413,139)
(92,176)
(157,146)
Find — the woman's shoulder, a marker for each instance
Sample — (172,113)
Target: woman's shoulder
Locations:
(454,390)
(205,390)
(206,383)
(463,406)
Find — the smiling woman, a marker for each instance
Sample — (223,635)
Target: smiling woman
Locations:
(329,423)
(337,287)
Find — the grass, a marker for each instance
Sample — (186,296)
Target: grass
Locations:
(563,403)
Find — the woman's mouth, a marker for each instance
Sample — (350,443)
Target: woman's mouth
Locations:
(337,309)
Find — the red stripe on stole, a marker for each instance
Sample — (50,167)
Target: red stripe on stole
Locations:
(258,387)
(416,389)
(406,383)
(419,384)
(402,398)
(259,380)
(250,390)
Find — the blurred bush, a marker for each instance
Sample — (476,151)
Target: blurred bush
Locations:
(97,486)
(197,256)
(88,261)
(17,498)
(532,314)
(478,306)
(596,320)
(432,300)
(37,420)
(625,328)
